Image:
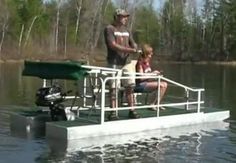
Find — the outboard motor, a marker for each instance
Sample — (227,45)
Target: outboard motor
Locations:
(48,96)
(52,97)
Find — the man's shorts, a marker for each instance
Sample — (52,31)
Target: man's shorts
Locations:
(115,83)
(129,70)
(126,70)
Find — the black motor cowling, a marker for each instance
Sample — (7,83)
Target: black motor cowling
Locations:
(48,96)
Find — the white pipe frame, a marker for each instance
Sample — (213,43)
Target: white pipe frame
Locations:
(107,73)
(159,78)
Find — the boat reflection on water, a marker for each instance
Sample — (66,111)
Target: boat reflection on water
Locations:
(29,127)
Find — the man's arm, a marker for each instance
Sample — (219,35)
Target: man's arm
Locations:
(132,42)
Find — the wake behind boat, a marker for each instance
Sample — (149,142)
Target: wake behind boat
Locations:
(81,113)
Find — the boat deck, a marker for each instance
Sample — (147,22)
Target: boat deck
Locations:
(90,117)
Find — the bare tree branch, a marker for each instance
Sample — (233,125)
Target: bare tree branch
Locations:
(21,36)
(65,39)
(59,3)
(4,27)
(89,43)
(29,31)
(78,8)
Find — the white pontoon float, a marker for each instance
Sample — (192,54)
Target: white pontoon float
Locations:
(85,115)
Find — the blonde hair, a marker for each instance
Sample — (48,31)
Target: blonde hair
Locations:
(146,49)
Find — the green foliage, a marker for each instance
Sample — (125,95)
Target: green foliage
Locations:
(220,27)
(147,26)
(230,7)
(174,28)
(22,14)
(178,29)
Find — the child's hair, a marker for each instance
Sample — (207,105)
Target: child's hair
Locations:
(146,49)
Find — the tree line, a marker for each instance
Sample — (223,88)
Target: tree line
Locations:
(178,29)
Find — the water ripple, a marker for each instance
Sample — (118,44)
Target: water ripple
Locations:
(204,146)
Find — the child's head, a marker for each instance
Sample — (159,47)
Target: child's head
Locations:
(147,51)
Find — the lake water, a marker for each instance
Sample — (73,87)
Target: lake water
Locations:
(214,142)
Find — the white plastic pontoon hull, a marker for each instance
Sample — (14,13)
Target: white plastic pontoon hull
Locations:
(159,135)
(131,126)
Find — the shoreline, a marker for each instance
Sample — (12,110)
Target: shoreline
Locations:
(224,63)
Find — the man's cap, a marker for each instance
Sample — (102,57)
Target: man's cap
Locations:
(121,12)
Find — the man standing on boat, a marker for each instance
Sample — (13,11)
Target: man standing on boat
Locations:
(120,45)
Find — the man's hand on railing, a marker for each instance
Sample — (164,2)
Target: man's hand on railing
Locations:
(139,51)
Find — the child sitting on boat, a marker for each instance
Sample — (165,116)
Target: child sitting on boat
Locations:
(147,85)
